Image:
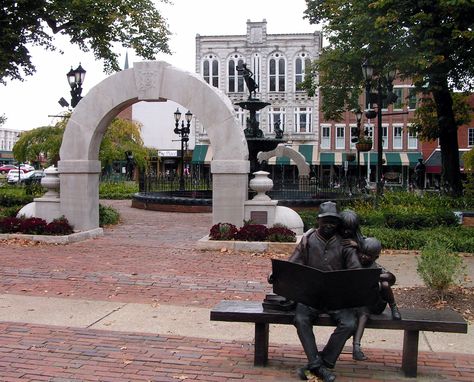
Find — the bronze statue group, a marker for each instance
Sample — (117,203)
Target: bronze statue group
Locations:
(338,244)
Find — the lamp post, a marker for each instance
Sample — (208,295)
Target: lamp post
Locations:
(75,78)
(183,132)
(378,98)
(358,114)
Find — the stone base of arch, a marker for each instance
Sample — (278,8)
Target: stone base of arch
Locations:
(229,190)
(79,192)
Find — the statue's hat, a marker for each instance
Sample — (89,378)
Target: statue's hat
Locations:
(328,209)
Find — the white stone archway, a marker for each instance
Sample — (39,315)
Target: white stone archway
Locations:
(79,166)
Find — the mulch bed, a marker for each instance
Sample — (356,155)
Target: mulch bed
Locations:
(460,299)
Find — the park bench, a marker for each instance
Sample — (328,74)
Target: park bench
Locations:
(413,321)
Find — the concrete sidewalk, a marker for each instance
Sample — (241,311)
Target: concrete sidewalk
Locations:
(174,320)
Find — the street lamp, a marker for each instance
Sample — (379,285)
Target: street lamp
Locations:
(183,132)
(358,115)
(378,98)
(75,78)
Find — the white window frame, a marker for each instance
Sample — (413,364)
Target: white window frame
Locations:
(325,136)
(213,77)
(240,115)
(352,126)
(398,104)
(410,90)
(370,130)
(412,140)
(308,112)
(470,137)
(397,139)
(274,114)
(340,137)
(238,80)
(384,137)
(300,76)
(279,75)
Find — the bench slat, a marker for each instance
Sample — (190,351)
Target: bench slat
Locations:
(412,319)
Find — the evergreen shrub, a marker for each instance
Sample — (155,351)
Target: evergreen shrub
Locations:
(108,215)
(439,267)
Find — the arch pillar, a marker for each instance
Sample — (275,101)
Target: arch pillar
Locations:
(79,192)
(229,191)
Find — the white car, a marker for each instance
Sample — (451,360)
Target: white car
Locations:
(13,175)
(26,167)
(30,176)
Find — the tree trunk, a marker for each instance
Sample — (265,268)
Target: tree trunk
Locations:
(448,138)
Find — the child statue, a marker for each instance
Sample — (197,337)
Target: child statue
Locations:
(369,250)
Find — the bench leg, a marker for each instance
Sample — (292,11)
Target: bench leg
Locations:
(410,353)
(261,344)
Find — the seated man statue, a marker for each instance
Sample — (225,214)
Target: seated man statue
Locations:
(323,249)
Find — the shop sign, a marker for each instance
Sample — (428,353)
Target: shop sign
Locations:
(167,153)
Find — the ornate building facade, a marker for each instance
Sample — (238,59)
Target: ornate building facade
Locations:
(278,63)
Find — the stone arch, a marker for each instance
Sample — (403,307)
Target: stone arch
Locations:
(79,166)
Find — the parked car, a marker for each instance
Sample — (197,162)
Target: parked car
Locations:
(33,177)
(26,167)
(4,169)
(13,176)
(25,177)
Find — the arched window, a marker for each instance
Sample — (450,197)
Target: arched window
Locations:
(276,71)
(210,70)
(302,62)
(235,82)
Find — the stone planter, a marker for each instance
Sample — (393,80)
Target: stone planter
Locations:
(247,246)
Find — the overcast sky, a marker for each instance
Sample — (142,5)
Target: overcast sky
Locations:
(31,103)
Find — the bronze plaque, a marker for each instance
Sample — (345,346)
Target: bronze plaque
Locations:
(259,217)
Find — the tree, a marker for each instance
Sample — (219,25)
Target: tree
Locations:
(425,121)
(92,25)
(121,136)
(429,42)
(44,140)
(3,119)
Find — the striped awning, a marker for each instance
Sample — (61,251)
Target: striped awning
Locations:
(390,158)
(202,154)
(393,158)
(308,151)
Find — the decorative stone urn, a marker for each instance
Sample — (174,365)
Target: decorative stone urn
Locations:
(261,183)
(51,182)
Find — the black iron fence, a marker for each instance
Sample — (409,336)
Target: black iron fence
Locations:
(304,188)
(166,183)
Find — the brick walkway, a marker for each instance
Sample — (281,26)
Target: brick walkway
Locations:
(150,259)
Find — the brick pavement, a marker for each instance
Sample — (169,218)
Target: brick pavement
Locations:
(150,259)
(47,353)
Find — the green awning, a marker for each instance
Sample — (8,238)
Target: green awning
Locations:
(393,159)
(307,152)
(283,160)
(199,154)
(373,158)
(326,158)
(413,158)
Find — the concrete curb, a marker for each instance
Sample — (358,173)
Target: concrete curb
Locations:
(247,246)
(52,239)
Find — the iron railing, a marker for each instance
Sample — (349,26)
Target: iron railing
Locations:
(313,188)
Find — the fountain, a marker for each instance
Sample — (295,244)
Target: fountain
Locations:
(256,142)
